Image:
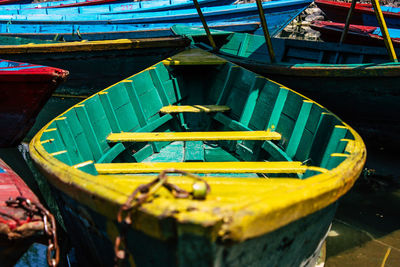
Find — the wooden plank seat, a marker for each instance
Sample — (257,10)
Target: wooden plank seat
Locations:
(194,108)
(207,167)
(192,136)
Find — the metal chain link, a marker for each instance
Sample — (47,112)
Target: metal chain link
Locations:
(50,229)
(141,194)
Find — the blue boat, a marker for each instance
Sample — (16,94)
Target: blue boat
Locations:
(132,7)
(277,10)
(76,32)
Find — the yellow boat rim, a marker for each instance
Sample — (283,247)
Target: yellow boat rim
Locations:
(236,208)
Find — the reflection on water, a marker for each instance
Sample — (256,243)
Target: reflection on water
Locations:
(34,257)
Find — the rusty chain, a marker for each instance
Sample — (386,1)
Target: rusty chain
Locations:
(32,208)
(142,193)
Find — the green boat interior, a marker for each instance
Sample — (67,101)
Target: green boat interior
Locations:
(213,119)
(286,50)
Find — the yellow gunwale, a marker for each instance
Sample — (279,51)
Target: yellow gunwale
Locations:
(253,207)
(103,45)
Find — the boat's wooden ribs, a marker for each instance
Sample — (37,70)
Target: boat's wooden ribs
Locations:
(194,109)
(192,136)
(207,167)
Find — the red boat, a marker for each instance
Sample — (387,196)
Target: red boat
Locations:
(22,219)
(7,2)
(357,34)
(363,13)
(86,3)
(24,89)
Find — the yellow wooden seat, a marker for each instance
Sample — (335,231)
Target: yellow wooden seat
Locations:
(194,108)
(206,167)
(192,136)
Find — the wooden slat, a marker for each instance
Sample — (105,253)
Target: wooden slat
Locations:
(206,167)
(194,57)
(192,136)
(194,109)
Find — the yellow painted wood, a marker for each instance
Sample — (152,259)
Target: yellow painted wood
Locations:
(194,108)
(204,167)
(265,30)
(247,207)
(205,26)
(194,57)
(192,136)
(384,30)
(103,45)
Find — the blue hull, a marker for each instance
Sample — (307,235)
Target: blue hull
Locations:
(109,32)
(132,7)
(218,13)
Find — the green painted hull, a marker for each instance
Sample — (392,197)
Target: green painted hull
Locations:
(355,82)
(296,244)
(274,216)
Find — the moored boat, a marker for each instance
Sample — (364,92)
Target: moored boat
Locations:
(21,217)
(275,10)
(133,7)
(363,13)
(24,89)
(358,83)
(357,34)
(273,164)
(77,32)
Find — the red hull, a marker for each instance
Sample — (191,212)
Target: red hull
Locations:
(85,3)
(337,11)
(357,34)
(18,230)
(23,92)
(8,2)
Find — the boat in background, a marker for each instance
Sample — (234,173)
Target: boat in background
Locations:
(363,13)
(75,32)
(357,34)
(275,11)
(21,217)
(8,2)
(274,164)
(24,89)
(132,7)
(358,83)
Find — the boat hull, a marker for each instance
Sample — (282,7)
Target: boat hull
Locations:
(245,218)
(22,95)
(16,238)
(90,234)
(363,14)
(357,34)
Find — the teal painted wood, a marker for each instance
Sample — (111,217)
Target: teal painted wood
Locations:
(358,83)
(133,105)
(297,244)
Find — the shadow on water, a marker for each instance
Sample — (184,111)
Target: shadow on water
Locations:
(366,229)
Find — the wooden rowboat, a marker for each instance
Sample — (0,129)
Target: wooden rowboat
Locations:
(276,11)
(24,89)
(358,83)
(76,32)
(133,7)
(21,217)
(363,13)
(273,163)
(357,34)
